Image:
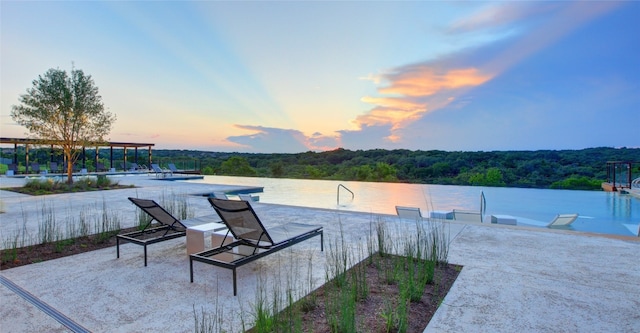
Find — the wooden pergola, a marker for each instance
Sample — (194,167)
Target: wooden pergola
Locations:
(613,184)
(97,145)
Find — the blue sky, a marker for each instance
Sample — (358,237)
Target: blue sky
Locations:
(295,76)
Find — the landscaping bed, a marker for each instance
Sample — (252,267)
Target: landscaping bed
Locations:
(15,257)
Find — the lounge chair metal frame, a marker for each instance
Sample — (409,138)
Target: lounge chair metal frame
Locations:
(171,227)
(259,241)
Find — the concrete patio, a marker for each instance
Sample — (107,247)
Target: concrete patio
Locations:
(514,278)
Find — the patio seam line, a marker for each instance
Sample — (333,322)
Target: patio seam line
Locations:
(44,307)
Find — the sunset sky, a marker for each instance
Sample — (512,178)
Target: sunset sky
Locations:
(297,76)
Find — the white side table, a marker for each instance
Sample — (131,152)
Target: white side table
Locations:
(196,236)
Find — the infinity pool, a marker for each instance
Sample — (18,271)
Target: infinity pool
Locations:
(601,212)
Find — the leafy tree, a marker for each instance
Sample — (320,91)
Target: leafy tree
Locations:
(384,172)
(208,170)
(277,169)
(237,166)
(64,109)
(312,172)
(492,177)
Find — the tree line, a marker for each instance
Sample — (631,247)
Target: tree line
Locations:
(67,109)
(561,169)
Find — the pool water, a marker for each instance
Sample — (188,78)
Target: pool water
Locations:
(600,212)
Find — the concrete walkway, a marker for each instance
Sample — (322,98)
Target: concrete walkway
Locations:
(514,279)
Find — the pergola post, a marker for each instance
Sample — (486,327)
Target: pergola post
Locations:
(26,158)
(95,163)
(84,158)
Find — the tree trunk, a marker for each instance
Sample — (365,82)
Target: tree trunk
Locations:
(69,172)
(70,161)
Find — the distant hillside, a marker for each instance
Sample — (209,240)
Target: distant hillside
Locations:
(570,169)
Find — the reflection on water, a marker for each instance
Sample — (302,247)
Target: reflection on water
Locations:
(602,212)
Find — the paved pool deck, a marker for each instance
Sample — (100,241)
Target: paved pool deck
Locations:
(514,279)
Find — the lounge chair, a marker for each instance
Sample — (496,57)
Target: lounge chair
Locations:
(160,171)
(173,168)
(13,167)
(562,220)
(35,167)
(467,215)
(253,240)
(54,167)
(100,167)
(170,227)
(634,228)
(412,213)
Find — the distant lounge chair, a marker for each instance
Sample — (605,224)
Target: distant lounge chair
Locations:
(562,220)
(634,228)
(35,167)
(253,240)
(13,167)
(170,227)
(467,215)
(137,167)
(173,168)
(412,213)
(54,167)
(100,167)
(160,171)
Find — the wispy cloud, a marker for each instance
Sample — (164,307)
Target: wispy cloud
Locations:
(558,21)
(501,15)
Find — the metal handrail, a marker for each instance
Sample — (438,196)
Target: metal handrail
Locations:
(352,195)
(483,206)
(636,182)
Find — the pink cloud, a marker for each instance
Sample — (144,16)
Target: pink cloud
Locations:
(414,90)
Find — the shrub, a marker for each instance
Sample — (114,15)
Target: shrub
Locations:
(575,182)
